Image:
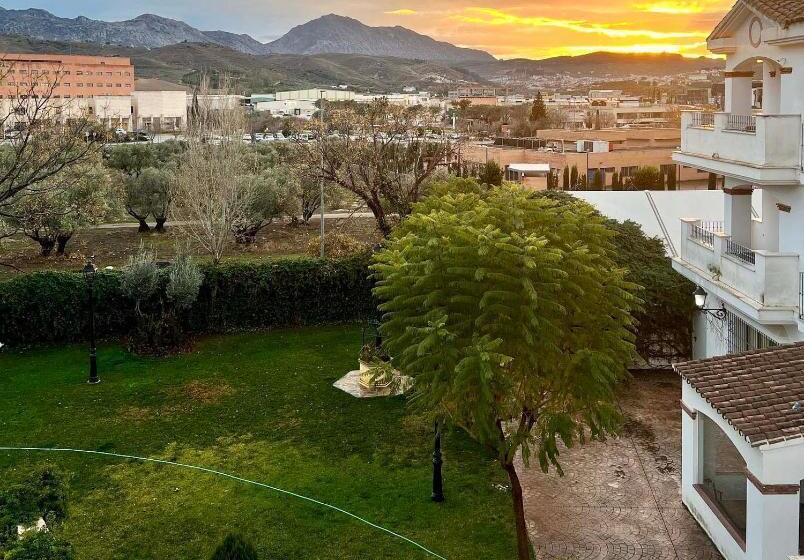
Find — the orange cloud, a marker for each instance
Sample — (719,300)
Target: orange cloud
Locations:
(492,16)
(671,7)
(402,12)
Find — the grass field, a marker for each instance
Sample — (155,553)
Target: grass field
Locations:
(260,406)
(113,247)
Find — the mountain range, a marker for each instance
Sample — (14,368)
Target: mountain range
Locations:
(327,34)
(326,51)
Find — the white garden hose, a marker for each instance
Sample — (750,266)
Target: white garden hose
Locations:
(227,475)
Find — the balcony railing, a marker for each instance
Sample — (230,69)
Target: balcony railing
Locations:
(766,277)
(741,123)
(702,119)
(702,235)
(740,252)
(764,149)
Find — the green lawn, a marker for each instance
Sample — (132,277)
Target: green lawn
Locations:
(262,407)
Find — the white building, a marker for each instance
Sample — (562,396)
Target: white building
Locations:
(742,460)
(158,105)
(299,108)
(315,94)
(748,266)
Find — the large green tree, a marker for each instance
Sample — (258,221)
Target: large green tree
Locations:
(513,319)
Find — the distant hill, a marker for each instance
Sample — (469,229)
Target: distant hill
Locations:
(144,31)
(597,64)
(327,34)
(338,34)
(181,63)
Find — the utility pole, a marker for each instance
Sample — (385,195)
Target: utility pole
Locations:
(321,149)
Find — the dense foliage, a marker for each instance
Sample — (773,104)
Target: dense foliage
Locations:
(513,319)
(42,494)
(51,306)
(664,322)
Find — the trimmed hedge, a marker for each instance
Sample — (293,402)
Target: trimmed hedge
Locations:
(50,307)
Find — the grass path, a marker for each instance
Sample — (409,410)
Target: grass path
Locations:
(261,407)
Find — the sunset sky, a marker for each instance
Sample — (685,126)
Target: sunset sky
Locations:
(505,28)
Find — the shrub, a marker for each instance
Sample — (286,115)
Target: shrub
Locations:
(51,307)
(43,494)
(336,246)
(235,547)
(41,546)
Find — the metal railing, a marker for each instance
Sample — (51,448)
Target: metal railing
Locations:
(702,235)
(741,123)
(740,252)
(704,232)
(702,119)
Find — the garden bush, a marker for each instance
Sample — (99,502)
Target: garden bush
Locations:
(235,547)
(51,307)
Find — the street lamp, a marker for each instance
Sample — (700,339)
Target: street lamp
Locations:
(438,481)
(700,301)
(89,274)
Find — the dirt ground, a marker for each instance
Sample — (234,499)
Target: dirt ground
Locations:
(114,246)
(620,499)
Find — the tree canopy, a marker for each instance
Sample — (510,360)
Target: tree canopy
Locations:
(512,317)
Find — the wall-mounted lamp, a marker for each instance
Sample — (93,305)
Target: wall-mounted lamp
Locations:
(700,302)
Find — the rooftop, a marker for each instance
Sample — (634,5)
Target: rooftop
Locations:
(785,12)
(149,84)
(755,391)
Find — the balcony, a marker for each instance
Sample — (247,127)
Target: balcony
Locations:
(748,278)
(764,150)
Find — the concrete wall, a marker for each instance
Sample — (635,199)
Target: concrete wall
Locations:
(154,106)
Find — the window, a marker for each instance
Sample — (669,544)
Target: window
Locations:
(79,73)
(724,479)
(79,85)
(742,337)
(628,171)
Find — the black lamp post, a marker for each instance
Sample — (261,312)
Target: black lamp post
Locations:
(89,274)
(438,481)
(700,302)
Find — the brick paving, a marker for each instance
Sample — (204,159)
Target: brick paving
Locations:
(620,500)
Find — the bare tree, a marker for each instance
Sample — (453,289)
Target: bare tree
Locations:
(214,186)
(45,133)
(382,153)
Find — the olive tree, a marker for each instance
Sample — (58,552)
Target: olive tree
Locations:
(381,154)
(74,198)
(512,318)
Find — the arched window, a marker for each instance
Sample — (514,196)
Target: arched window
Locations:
(724,477)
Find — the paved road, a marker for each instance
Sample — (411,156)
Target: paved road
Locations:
(620,500)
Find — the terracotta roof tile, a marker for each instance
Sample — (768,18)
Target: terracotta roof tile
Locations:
(754,391)
(785,12)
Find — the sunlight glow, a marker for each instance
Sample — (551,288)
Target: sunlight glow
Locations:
(494,17)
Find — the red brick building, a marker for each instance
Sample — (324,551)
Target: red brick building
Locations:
(71,77)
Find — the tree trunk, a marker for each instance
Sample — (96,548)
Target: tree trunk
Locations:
(380,217)
(46,245)
(522,540)
(61,241)
(247,235)
(144,227)
(160,225)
